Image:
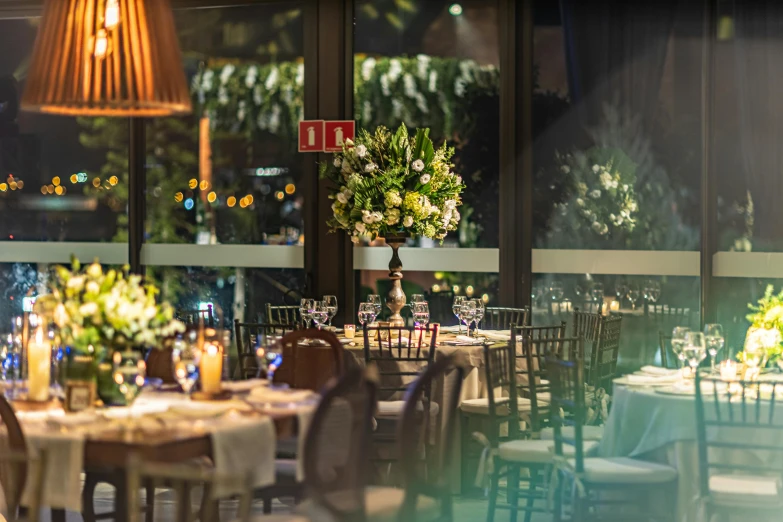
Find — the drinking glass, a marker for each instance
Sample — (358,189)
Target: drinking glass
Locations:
(185,358)
(367,313)
(556,290)
(652,291)
(597,292)
(306,307)
(694,350)
(129,373)
(633,294)
(331,306)
(375,299)
(467,312)
(713,335)
(417,298)
(320,314)
(678,341)
(421,314)
(480,309)
(456,307)
(579,288)
(269,355)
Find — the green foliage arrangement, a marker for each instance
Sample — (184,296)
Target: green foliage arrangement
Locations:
(394,183)
(766,326)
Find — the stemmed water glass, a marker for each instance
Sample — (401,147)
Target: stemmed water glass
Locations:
(375,300)
(678,341)
(713,335)
(620,290)
(421,314)
(185,357)
(633,294)
(367,313)
(417,298)
(467,312)
(556,291)
(331,306)
(597,292)
(456,308)
(694,350)
(479,313)
(306,307)
(320,314)
(652,291)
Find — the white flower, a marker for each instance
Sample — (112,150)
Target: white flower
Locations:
(409,85)
(223,98)
(93,288)
(385,85)
(596,226)
(226,73)
(77,283)
(258,96)
(459,180)
(619,221)
(355,240)
(422,64)
(451,204)
(252,76)
(94,270)
(395,69)
(595,194)
(596,168)
(347,167)
(361,151)
(392,216)
(360,228)
(60,315)
(341,198)
(606,180)
(625,188)
(604,229)
(612,217)
(367,68)
(580,202)
(632,206)
(206,80)
(377,217)
(338,163)
(367,217)
(349,142)
(271,80)
(432,84)
(447,217)
(88,309)
(566,169)
(585,212)
(424,179)
(241,110)
(455,217)
(370,167)
(418,165)
(408,221)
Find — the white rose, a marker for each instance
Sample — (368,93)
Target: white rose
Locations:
(76,282)
(341,198)
(377,217)
(347,167)
(338,163)
(88,309)
(595,194)
(392,216)
(459,180)
(408,221)
(451,204)
(418,165)
(361,151)
(349,142)
(625,188)
(93,287)
(614,184)
(425,178)
(94,270)
(596,168)
(370,167)
(580,202)
(360,228)
(367,217)
(355,240)
(596,226)
(606,180)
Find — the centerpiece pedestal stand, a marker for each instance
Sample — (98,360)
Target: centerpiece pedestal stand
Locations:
(395,300)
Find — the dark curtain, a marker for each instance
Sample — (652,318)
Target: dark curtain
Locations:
(759,76)
(615,53)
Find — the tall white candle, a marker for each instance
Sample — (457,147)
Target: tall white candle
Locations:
(39,364)
(211,369)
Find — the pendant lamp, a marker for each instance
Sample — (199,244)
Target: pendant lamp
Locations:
(107,58)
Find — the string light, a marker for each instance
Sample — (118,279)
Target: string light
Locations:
(231,201)
(189,204)
(114,180)
(112,16)
(178,197)
(469,290)
(50,189)
(96,182)
(279,195)
(455,289)
(193,183)
(58,190)
(3,187)
(290,188)
(204,185)
(56,181)
(43,190)
(211,197)
(20,184)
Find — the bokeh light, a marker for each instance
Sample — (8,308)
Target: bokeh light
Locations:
(193,183)
(179,197)
(96,182)
(3,187)
(56,181)
(290,188)
(212,197)
(279,195)
(113,180)
(231,201)
(59,190)
(204,185)
(189,204)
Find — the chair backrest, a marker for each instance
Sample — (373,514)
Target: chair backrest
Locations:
(567,393)
(440,307)
(738,433)
(559,310)
(17,444)
(540,332)
(587,325)
(497,318)
(500,372)
(182,480)
(666,315)
(605,351)
(247,337)
(532,380)
(388,346)
(286,314)
(194,317)
(436,482)
(336,448)
(310,366)
(664,344)
(19,472)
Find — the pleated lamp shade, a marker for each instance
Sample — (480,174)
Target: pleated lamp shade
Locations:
(107,58)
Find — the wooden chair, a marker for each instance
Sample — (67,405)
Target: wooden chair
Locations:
(246,334)
(20,471)
(586,325)
(287,315)
(440,307)
(664,347)
(591,307)
(604,353)
(310,366)
(559,310)
(496,318)
(739,449)
(516,453)
(539,332)
(631,480)
(194,317)
(669,316)
(14,475)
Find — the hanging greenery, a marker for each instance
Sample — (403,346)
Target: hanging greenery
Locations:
(422,91)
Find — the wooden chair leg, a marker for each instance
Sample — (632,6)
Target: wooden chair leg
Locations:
(531,490)
(267,505)
(557,515)
(88,492)
(493,493)
(149,511)
(512,490)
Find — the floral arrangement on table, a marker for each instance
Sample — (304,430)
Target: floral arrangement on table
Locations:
(388,183)
(766,326)
(96,310)
(602,198)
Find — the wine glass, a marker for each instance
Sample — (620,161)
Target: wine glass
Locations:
(694,350)
(367,313)
(129,371)
(467,312)
(597,292)
(306,307)
(713,335)
(320,314)
(678,341)
(480,309)
(556,290)
(652,291)
(375,299)
(633,294)
(331,306)
(456,306)
(421,314)
(417,298)
(185,358)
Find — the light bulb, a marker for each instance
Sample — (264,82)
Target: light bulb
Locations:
(101,43)
(112,17)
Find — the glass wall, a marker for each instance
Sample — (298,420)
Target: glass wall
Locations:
(429,64)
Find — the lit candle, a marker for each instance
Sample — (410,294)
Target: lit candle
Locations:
(39,360)
(211,369)
(728,370)
(350,331)
(615,306)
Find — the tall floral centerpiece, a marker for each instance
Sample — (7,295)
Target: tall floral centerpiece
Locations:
(765,335)
(394,186)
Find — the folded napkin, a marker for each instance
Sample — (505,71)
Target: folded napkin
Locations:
(658,371)
(464,340)
(497,335)
(279,395)
(450,329)
(244,445)
(244,386)
(651,379)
